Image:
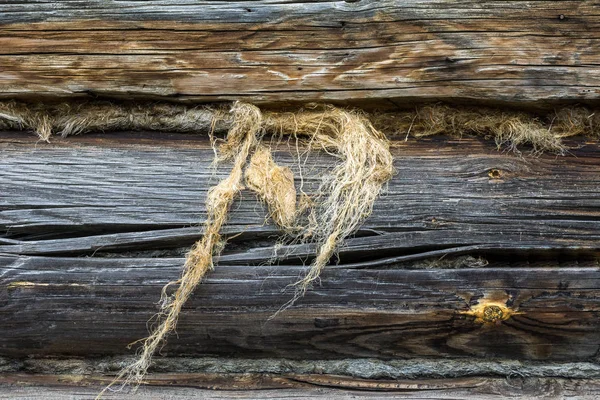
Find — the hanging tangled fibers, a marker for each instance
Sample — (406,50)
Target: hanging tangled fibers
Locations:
(348,193)
(199,261)
(346,196)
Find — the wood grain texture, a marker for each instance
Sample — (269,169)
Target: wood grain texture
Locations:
(84,196)
(516,52)
(90,307)
(93,228)
(250,387)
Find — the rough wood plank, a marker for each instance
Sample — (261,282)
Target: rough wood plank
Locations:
(281,51)
(96,306)
(26,387)
(83,196)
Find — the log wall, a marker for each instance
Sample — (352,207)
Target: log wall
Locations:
(474,262)
(391,52)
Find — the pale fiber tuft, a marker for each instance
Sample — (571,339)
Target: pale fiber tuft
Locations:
(275,186)
(348,193)
(511,129)
(72,119)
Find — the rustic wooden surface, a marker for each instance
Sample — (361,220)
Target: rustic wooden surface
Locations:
(280,51)
(94,226)
(86,307)
(26,387)
(99,194)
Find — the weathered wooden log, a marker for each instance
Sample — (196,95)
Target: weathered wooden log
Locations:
(185,387)
(129,204)
(90,307)
(289,51)
(91,195)
(52,387)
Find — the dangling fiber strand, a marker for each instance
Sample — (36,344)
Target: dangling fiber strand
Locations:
(199,261)
(348,194)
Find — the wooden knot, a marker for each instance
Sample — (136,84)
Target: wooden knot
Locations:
(495,173)
(490,313)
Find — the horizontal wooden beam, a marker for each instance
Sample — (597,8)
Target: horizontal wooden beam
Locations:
(100,193)
(96,306)
(259,387)
(94,226)
(521,52)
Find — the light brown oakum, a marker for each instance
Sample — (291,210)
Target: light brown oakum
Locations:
(346,195)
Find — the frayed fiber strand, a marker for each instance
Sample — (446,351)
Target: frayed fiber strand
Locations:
(199,261)
(348,194)
(275,186)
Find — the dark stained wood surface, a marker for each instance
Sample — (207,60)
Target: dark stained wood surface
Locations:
(94,226)
(89,307)
(394,51)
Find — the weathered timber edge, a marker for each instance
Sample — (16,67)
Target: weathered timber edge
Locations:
(347,369)
(86,307)
(267,378)
(393,52)
(260,387)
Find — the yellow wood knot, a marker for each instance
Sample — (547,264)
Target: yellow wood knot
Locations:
(16,285)
(495,173)
(490,313)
